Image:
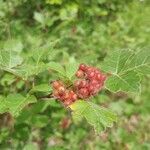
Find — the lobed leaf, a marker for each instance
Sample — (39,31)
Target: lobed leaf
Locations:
(14,103)
(125,67)
(56,67)
(95,115)
(71,69)
(9,59)
(41,88)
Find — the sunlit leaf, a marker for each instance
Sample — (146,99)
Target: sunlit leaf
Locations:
(125,67)
(56,67)
(14,103)
(9,59)
(98,117)
(41,88)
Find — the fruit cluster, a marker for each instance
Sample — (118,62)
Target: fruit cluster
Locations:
(90,82)
(65,95)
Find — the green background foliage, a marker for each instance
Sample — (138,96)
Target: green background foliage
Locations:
(41,41)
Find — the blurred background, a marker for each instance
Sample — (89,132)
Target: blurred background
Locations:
(85,30)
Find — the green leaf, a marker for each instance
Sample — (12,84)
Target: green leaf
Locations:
(26,70)
(13,45)
(31,146)
(41,53)
(9,59)
(52,2)
(41,88)
(125,67)
(71,69)
(39,121)
(95,115)
(14,103)
(3,107)
(56,67)
(39,17)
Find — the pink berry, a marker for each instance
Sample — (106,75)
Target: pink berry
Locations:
(83,67)
(80,74)
(91,74)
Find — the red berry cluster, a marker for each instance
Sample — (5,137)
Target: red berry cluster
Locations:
(63,94)
(90,82)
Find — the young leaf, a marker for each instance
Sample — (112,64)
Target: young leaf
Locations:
(41,88)
(125,66)
(25,70)
(3,107)
(14,103)
(71,69)
(95,115)
(9,59)
(56,67)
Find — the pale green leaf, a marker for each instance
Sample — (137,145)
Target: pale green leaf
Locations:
(125,66)
(9,59)
(39,121)
(41,88)
(14,103)
(31,146)
(52,2)
(97,116)
(56,67)
(3,107)
(13,45)
(39,17)
(71,69)
(26,70)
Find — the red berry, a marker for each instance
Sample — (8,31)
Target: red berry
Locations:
(94,82)
(83,67)
(83,83)
(74,97)
(91,74)
(103,77)
(83,93)
(91,88)
(89,69)
(67,103)
(77,83)
(98,76)
(80,74)
(61,89)
(57,84)
(55,93)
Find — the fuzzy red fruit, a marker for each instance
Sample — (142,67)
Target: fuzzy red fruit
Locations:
(55,94)
(89,69)
(72,96)
(83,83)
(103,77)
(83,93)
(77,83)
(94,82)
(97,71)
(98,77)
(91,88)
(83,67)
(57,84)
(91,74)
(80,74)
(61,89)
(67,103)
(66,96)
